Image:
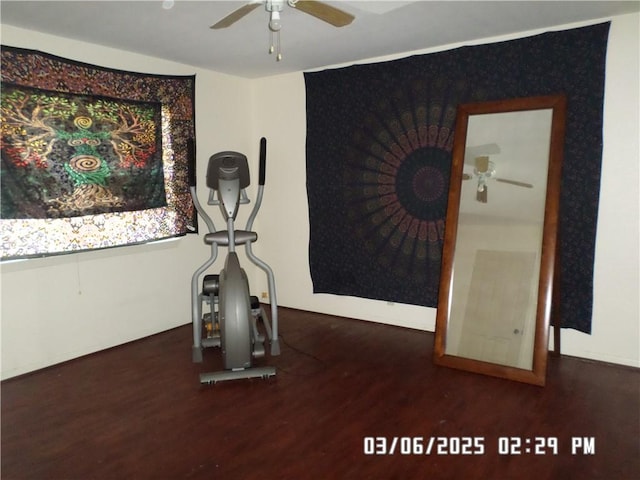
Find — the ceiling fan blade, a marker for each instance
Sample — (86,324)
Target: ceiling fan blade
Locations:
(514,182)
(325,12)
(236,15)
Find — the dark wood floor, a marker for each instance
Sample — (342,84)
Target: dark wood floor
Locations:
(139,412)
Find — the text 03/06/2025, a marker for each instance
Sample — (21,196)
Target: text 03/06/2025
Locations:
(424,445)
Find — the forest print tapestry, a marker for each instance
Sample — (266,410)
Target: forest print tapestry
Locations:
(70,155)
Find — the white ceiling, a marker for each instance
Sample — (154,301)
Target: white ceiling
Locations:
(182,33)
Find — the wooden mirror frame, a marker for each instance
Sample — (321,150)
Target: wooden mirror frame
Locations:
(547,272)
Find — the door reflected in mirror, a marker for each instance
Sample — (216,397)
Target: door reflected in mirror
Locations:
(500,238)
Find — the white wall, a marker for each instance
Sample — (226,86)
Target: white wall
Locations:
(58,308)
(616,335)
(616,310)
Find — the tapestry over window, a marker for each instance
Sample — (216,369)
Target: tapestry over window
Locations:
(91,157)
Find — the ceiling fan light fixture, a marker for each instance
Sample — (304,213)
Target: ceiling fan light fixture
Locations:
(274,21)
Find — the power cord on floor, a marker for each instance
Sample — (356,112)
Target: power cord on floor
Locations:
(299,351)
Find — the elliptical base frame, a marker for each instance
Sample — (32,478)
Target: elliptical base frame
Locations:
(212,378)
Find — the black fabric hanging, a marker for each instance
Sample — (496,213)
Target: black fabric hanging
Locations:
(379,141)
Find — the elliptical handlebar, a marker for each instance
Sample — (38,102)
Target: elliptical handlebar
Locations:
(263,161)
(261,179)
(191,156)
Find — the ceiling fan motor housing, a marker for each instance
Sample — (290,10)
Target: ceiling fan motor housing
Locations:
(274,5)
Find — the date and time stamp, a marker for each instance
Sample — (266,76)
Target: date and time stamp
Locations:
(505,445)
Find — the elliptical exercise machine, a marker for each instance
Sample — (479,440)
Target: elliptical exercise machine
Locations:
(232,322)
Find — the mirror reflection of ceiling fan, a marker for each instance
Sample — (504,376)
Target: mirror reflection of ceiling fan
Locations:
(319,10)
(484,170)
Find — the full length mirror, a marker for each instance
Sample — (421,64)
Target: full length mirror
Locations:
(496,285)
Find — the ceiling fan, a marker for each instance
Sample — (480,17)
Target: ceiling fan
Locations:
(484,169)
(320,10)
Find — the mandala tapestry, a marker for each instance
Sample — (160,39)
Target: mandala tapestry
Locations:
(379,145)
(91,157)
